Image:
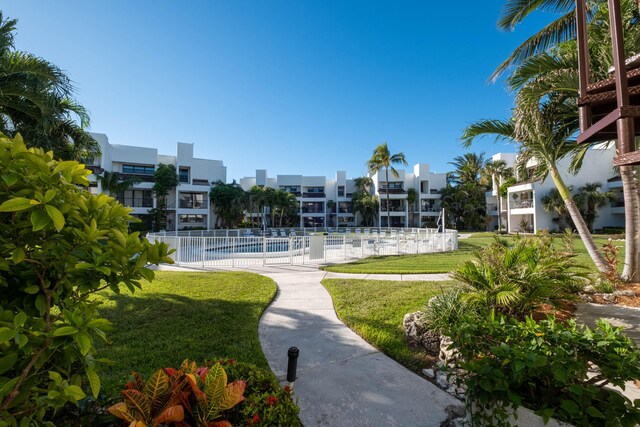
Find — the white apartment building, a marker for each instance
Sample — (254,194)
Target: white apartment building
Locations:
(428,187)
(522,208)
(313,193)
(188,205)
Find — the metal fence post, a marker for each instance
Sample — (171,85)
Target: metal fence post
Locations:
(202,249)
(264,250)
(178,251)
(233,251)
(344,246)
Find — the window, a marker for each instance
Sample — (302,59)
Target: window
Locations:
(138,169)
(183,175)
(136,198)
(392,185)
(340,190)
(315,189)
(290,188)
(192,201)
(313,207)
(192,219)
(345,207)
(200,182)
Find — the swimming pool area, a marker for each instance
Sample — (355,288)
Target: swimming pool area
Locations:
(206,249)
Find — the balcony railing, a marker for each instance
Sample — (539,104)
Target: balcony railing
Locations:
(136,202)
(313,195)
(345,210)
(312,210)
(492,207)
(392,191)
(200,182)
(617,203)
(430,208)
(138,177)
(521,204)
(394,209)
(192,204)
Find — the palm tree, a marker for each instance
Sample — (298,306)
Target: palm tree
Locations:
(269,200)
(590,198)
(469,168)
(544,66)
(553,202)
(330,207)
(367,206)
(35,101)
(412,198)
(543,135)
(114,183)
(383,159)
(496,171)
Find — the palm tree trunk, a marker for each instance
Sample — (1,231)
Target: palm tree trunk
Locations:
(630,188)
(493,178)
(578,221)
(386,170)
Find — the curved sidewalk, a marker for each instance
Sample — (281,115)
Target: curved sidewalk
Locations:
(342,380)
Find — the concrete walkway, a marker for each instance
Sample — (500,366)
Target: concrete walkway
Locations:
(342,380)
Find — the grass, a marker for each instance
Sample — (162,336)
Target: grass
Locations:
(183,315)
(374,310)
(444,262)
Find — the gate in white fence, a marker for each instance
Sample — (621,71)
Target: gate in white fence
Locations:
(212,252)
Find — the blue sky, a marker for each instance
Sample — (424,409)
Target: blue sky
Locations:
(296,87)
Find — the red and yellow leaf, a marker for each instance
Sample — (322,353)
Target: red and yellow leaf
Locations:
(138,402)
(171,414)
(233,394)
(120,410)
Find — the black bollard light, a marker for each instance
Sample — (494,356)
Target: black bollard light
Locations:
(293,354)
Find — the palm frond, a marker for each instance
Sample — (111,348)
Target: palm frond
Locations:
(502,130)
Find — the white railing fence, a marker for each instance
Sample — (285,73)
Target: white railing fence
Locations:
(233,251)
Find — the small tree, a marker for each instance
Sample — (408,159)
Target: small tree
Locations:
(229,202)
(58,245)
(166,179)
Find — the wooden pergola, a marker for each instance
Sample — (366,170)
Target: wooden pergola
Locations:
(609,109)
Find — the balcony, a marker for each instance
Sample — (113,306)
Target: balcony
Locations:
(392,208)
(521,204)
(430,208)
(392,191)
(345,210)
(200,182)
(192,204)
(136,202)
(312,210)
(138,177)
(313,195)
(492,208)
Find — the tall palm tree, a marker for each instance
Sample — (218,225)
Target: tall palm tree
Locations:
(468,168)
(383,159)
(35,100)
(543,135)
(553,202)
(590,198)
(412,198)
(496,171)
(547,65)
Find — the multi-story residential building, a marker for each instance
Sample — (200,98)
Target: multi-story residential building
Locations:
(522,207)
(188,205)
(428,189)
(314,192)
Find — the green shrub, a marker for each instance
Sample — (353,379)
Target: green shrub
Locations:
(58,245)
(445,309)
(544,366)
(516,279)
(266,402)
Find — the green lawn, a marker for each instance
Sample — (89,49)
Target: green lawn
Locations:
(183,315)
(374,310)
(444,262)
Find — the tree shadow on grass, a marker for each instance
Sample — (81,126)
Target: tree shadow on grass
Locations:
(161,330)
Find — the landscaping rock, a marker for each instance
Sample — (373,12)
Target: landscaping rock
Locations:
(428,373)
(610,298)
(418,335)
(624,293)
(447,355)
(589,289)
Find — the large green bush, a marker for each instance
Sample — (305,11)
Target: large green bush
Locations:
(516,279)
(58,245)
(546,367)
